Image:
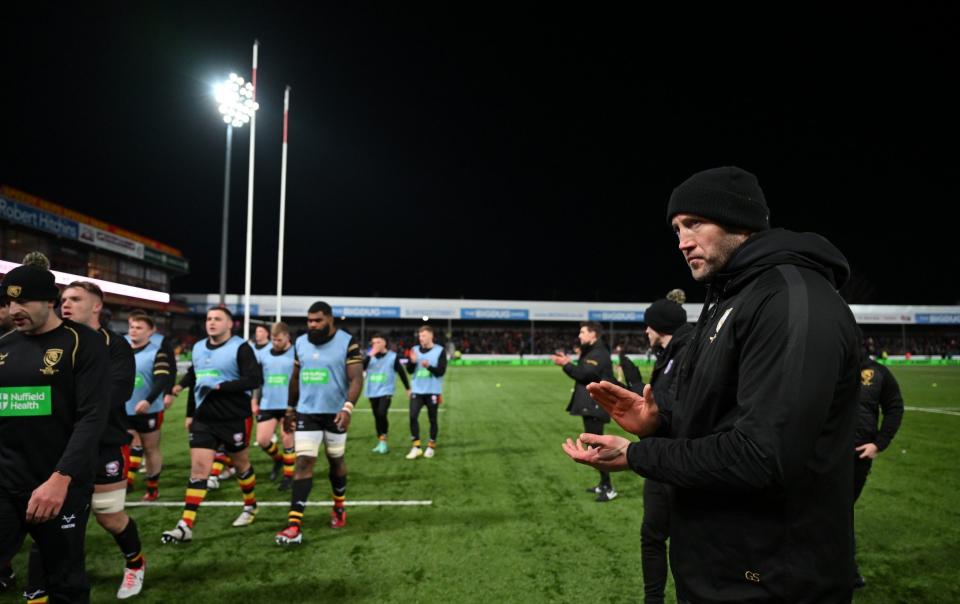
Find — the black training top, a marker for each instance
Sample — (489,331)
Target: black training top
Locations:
(52,405)
(123,368)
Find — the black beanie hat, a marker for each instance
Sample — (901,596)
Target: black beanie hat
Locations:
(730,196)
(665,316)
(30,283)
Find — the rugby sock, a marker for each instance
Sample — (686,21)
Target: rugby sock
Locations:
(432,444)
(416,442)
(40,597)
(298,501)
(136,458)
(339,484)
(196,491)
(273,451)
(289,459)
(153,484)
(219,461)
(248,480)
(129,542)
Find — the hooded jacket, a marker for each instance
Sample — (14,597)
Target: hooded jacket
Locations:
(760,435)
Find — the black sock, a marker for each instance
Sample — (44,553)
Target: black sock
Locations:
(299,492)
(339,484)
(129,541)
(605,480)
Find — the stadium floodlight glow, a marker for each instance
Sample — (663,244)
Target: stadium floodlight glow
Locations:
(426,318)
(235,100)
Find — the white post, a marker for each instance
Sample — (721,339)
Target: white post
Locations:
(253,140)
(283,204)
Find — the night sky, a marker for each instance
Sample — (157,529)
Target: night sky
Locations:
(493,151)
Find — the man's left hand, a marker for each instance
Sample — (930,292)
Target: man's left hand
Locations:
(47,499)
(603,452)
(342,420)
(868,451)
(560,359)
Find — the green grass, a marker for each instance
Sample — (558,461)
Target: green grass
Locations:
(510,521)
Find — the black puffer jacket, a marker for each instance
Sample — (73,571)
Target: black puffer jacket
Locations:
(593,366)
(759,443)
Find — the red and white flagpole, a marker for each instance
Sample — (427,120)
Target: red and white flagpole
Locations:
(283,203)
(253,140)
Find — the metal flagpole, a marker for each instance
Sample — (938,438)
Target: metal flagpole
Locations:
(283,203)
(226,219)
(253,140)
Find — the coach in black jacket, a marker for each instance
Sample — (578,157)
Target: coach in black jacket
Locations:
(758,444)
(593,366)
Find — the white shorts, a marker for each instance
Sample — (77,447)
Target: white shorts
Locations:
(307,444)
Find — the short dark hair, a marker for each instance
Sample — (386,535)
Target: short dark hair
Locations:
(379,335)
(320,306)
(593,326)
(262,326)
(222,309)
(425,328)
(143,317)
(87,286)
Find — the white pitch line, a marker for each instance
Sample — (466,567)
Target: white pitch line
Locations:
(392,410)
(276,504)
(933,410)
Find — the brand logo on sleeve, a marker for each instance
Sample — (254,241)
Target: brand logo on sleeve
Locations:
(50,358)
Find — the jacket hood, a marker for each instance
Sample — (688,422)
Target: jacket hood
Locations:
(780,246)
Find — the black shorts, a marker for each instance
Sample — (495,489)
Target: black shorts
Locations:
(232,434)
(143,424)
(268,414)
(112,464)
(313,422)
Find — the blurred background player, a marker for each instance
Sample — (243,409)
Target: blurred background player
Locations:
(270,403)
(382,366)
(223,373)
(155,374)
(49,443)
(879,395)
(428,364)
(593,365)
(668,333)
(326,382)
(261,339)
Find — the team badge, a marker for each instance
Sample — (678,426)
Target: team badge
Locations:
(112,468)
(238,438)
(50,358)
(13,291)
(866,377)
(152,423)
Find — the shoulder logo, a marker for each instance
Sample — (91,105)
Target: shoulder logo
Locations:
(13,291)
(50,358)
(720,323)
(866,377)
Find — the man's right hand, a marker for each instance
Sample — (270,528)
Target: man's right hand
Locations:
(177,390)
(636,414)
(290,420)
(142,408)
(255,407)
